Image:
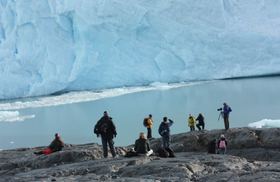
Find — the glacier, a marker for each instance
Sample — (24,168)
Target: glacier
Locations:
(49,46)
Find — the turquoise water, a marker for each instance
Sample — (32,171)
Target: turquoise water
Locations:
(250,99)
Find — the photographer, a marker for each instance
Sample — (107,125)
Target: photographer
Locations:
(225,110)
(164,131)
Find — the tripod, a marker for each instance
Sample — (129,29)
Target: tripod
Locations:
(221,114)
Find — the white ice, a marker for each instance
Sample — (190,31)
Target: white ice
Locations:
(13,116)
(47,46)
(85,96)
(265,123)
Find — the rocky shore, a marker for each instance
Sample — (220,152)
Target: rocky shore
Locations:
(253,155)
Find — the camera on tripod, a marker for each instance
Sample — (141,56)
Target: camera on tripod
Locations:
(220,109)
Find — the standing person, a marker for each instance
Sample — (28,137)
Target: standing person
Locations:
(212,145)
(148,123)
(222,145)
(164,131)
(225,113)
(142,145)
(55,146)
(200,120)
(191,122)
(106,128)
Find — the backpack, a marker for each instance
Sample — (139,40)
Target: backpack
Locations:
(222,144)
(170,152)
(162,153)
(104,127)
(130,153)
(145,122)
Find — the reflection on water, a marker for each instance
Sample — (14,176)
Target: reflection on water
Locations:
(250,99)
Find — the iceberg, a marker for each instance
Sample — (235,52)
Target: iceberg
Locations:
(13,116)
(51,46)
(265,123)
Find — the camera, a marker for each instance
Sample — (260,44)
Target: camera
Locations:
(219,109)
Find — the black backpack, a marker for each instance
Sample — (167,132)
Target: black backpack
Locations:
(162,152)
(170,152)
(130,153)
(104,127)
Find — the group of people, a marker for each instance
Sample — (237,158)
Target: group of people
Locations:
(191,122)
(218,146)
(106,128)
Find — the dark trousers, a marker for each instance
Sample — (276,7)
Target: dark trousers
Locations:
(165,141)
(105,142)
(192,128)
(226,121)
(200,124)
(149,132)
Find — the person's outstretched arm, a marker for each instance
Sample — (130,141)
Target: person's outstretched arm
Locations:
(170,122)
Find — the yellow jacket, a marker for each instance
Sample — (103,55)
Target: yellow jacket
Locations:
(150,123)
(191,121)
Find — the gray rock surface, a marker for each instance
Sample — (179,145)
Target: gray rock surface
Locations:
(253,156)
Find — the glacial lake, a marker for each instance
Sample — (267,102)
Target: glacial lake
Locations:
(250,99)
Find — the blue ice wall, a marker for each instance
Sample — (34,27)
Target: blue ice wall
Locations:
(52,45)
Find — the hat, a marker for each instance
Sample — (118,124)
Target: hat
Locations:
(222,136)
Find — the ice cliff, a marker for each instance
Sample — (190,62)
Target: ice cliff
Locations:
(48,46)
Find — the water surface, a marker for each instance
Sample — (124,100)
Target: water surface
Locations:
(250,99)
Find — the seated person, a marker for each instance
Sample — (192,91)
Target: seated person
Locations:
(142,145)
(56,145)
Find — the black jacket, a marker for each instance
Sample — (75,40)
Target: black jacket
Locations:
(105,127)
(200,119)
(56,145)
(142,146)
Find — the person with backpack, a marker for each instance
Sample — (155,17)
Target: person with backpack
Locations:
(55,146)
(191,122)
(106,128)
(222,145)
(164,131)
(148,123)
(200,123)
(225,113)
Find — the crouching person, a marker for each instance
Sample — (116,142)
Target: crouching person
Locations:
(55,146)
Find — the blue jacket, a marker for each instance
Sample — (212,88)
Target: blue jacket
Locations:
(164,128)
(226,110)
